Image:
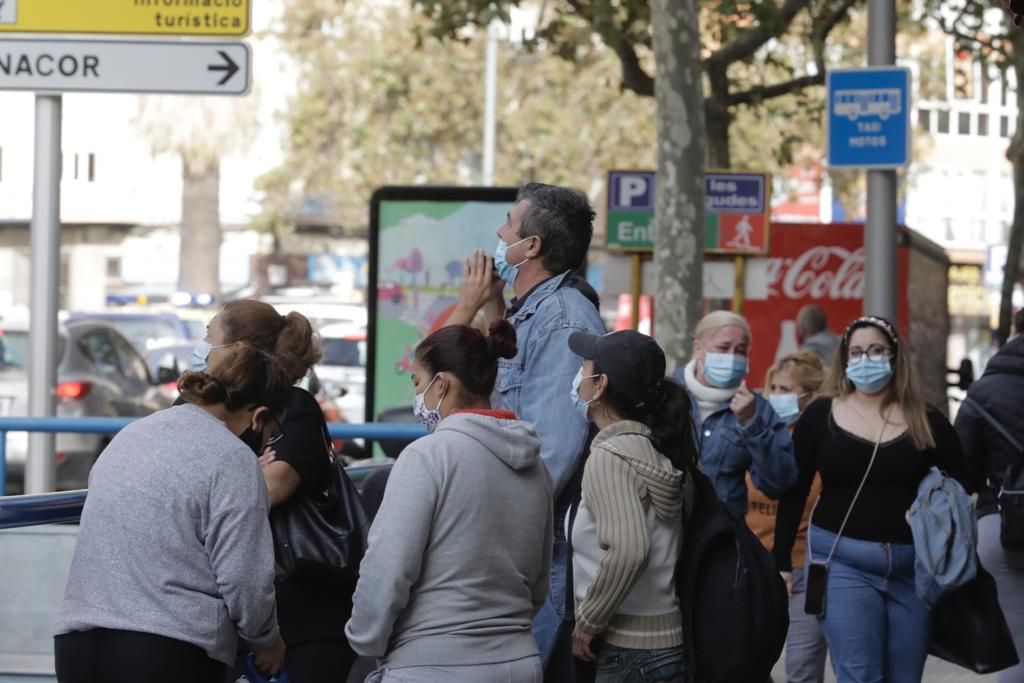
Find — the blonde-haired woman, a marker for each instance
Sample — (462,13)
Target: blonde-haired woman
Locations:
(790,386)
(736,430)
(872,433)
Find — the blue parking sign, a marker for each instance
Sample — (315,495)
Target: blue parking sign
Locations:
(869,117)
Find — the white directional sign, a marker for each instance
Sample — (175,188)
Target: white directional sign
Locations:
(206,68)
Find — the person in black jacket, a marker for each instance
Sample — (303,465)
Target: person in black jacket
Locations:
(1000,391)
(311,610)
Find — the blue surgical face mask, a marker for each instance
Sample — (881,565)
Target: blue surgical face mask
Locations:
(201,353)
(725,370)
(506,271)
(870,376)
(787,406)
(578,403)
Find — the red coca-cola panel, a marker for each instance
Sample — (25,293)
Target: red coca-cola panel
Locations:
(811,264)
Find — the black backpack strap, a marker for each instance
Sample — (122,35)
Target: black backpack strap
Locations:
(995,423)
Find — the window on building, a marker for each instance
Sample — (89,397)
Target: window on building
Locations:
(943,121)
(924,119)
(85,167)
(113,266)
(1004,126)
(964,123)
(983,124)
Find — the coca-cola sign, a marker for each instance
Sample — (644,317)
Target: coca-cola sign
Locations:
(821,272)
(808,264)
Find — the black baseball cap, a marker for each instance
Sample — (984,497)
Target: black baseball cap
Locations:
(634,362)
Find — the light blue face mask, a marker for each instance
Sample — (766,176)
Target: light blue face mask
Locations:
(725,370)
(787,406)
(578,403)
(506,271)
(869,376)
(201,353)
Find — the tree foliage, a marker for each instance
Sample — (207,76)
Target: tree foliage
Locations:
(380,101)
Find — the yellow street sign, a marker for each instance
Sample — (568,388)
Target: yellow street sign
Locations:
(154,17)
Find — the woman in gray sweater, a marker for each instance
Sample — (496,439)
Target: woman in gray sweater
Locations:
(174,559)
(459,552)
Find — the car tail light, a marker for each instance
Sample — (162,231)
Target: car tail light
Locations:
(60,457)
(73,391)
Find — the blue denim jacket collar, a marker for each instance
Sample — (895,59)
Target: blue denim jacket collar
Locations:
(537,295)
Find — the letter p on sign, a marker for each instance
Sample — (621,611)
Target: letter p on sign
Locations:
(630,188)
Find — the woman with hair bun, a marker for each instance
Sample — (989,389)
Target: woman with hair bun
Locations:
(460,549)
(312,608)
(174,559)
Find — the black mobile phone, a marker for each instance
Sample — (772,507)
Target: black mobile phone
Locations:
(816,583)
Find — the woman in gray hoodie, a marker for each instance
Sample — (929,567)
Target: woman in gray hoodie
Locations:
(458,557)
(629,525)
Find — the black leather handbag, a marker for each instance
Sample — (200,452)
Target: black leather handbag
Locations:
(969,628)
(324,534)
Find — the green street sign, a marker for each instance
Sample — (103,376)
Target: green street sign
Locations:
(630,211)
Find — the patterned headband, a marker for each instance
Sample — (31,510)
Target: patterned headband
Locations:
(871,321)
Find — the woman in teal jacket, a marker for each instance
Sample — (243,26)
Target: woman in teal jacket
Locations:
(736,430)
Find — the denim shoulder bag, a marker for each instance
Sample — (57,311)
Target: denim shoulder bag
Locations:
(817,572)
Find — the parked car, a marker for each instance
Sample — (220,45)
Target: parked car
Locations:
(166,363)
(342,370)
(99,374)
(147,330)
(321,311)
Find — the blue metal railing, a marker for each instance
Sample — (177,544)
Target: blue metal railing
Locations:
(53,508)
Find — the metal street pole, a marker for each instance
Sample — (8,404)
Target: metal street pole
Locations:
(490,102)
(40,467)
(880,231)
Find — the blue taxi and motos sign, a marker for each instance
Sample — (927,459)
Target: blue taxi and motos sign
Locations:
(869,117)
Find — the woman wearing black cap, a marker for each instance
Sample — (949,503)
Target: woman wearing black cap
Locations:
(873,439)
(628,527)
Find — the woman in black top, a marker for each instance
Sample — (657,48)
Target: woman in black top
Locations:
(876,627)
(311,609)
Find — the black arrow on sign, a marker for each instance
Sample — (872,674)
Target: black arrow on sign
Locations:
(229,67)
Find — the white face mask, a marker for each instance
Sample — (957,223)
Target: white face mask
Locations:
(427,417)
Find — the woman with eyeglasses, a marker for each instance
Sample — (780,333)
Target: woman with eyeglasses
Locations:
(174,559)
(312,608)
(872,438)
(790,386)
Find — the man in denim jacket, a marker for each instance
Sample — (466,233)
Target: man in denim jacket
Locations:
(544,239)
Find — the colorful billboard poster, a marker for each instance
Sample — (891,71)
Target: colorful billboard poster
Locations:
(419,238)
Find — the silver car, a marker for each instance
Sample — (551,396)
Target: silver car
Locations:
(99,374)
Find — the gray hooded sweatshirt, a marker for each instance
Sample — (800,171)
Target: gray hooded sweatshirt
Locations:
(459,552)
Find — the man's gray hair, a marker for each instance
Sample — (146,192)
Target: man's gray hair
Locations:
(564,221)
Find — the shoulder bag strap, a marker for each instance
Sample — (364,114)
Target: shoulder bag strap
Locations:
(864,479)
(994,422)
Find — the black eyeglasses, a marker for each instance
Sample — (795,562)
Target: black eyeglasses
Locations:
(280,433)
(875,352)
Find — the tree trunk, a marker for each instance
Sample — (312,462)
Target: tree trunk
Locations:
(679,204)
(718,120)
(199,268)
(1011,272)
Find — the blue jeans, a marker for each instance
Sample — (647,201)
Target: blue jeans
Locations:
(806,650)
(545,624)
(625,665)
(876,627)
